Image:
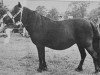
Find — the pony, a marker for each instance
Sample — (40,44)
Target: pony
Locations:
(59,35)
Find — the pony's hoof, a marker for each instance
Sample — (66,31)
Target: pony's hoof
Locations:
(39,70)
(43,69)
(78,69)
(96,72)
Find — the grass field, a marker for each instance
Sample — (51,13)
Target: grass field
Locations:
(19,57)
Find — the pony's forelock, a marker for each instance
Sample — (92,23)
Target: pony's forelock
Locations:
(19,4)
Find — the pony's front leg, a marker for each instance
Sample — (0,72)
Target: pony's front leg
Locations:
(41,55)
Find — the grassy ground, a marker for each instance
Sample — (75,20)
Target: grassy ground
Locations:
(19,57)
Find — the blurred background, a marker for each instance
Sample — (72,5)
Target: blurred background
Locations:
(60,9)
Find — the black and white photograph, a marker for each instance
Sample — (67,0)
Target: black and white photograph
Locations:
(49,37)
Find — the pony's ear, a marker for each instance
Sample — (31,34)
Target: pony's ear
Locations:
(19,4)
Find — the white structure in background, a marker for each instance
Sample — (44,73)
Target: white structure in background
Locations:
(8,33)
(70,17)
(61,18)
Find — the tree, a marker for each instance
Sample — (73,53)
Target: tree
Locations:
(93,15)
(41,10)
(3,9)
(66,14)
(53,14)
(78,8)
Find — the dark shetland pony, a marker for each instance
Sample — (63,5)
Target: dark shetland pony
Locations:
(60,35)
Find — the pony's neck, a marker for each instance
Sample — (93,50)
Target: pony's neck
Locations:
(30,18)
(27,16)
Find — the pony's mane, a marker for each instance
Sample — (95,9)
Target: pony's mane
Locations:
(37,14)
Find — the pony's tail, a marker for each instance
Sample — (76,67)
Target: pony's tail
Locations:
(96,37)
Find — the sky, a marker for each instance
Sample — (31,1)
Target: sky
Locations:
(60,5)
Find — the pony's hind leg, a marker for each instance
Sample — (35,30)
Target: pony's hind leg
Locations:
(83,55)
(94,55)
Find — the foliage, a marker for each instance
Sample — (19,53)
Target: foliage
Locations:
(78,9)
(41,10)
(3,10)
(53,14)
(67,13)
(94,14)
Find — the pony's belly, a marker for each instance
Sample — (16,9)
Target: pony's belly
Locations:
(61,46)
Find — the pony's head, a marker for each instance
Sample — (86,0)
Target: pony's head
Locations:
(16,8)
(17,12)
(14,16)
